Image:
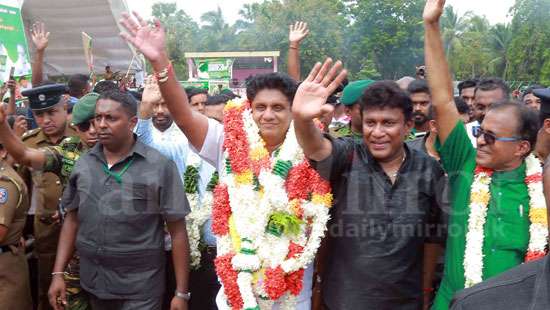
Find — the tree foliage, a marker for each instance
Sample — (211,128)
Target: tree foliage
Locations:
(375,39)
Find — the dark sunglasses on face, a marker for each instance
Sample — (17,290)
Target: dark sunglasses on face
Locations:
(84,126)
(491,138)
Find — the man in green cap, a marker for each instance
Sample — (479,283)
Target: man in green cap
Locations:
(350,99)
(60,160)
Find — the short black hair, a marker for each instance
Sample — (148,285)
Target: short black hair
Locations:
(217,99)
(104,86)
(276,80)
(467,84)
(530,89)
(77,83)
(461,105)
(528,120)
(126,100)
(418,86)
(386,94)
(193,91)
(492,84)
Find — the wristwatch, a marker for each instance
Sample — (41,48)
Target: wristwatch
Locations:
(184,296)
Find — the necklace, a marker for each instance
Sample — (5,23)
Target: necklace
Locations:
(394,174)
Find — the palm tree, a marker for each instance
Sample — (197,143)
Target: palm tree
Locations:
(500,37)
(217,33)
(452,27)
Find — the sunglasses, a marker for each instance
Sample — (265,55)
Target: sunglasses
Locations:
(491,138)
(83,127)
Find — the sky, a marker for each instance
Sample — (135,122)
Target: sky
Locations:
(495,10)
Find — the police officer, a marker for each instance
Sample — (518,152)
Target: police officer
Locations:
(49,109)
(14,272)
(60,160)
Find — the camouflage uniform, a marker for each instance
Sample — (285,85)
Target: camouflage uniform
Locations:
(345,131)
(46,190)
(60,160)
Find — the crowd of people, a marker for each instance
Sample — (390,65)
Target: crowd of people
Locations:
(311,192)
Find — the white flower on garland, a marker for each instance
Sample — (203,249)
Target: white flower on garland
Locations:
(201,208)
(479,200)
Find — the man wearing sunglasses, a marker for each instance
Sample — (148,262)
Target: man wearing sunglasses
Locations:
(60,161)
(507,136)
(525,286)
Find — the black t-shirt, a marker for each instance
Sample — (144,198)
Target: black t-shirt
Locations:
(378,229)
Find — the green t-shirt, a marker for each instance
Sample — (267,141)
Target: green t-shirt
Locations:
(507,225)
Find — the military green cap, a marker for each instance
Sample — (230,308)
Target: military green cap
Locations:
(84,109)
(353,91)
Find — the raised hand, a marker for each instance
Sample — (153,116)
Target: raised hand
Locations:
(433,11)
(310,100)
(148,39)
(298,32)
(39,36)
(12,85)
(151,92)
(20,125)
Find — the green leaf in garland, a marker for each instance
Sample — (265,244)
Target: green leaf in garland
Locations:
(191,179)
(228,166)
(282,167)
(214,180)
(284,223)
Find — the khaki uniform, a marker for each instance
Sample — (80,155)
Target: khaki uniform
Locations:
(46,194)
(14,272)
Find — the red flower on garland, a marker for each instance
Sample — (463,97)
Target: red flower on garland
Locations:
(294,282)
(537,177)
(221,210)
(480,169)
(235,141)
(294,249)
(257,165)
(275,284)
(298,183)
(531,256)
(228,277)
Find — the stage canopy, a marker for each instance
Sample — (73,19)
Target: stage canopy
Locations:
(66,20)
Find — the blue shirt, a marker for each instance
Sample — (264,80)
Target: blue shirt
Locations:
(173,144)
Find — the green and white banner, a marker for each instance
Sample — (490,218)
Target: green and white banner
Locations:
(214,68)
(14,51)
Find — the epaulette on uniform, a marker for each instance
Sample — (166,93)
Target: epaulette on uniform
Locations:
(30,133)
(71,140)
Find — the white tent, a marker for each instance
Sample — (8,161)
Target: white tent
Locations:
(66,20)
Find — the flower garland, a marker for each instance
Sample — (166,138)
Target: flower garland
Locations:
(269,215)
(479,200)
(201,208)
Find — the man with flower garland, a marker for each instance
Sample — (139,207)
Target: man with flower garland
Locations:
(157,129)
(497,199)
(262,222)
(525,286)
